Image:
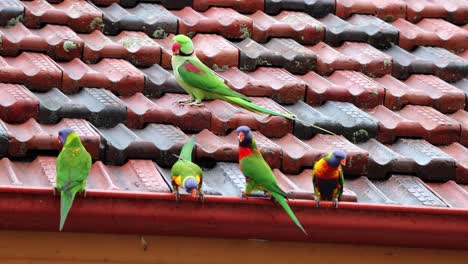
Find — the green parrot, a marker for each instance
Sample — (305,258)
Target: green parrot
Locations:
(73,167)
(186,174)
(201,83)
(328,178)
(258,174)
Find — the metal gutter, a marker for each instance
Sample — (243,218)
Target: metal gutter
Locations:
(229,217)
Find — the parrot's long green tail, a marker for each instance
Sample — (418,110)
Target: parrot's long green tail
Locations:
(66,202)
(282,201)
(186,152)
(258,109)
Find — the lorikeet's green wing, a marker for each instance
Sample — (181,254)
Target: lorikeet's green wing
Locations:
(196,74)
(73,167)
(256,168)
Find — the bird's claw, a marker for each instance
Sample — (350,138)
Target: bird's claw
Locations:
(335,202)
(202,196)
(244,195)
(317,202)
(84,193)
(177,196)
(194,104)
(55,190)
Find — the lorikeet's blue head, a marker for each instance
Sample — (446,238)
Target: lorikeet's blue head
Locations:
(182,46)
(337,157)
(63,135)
(191,185)
(244,134)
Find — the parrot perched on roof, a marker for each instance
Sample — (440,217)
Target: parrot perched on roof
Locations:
(201,83)
(186,174)
(72,168)
(258,174)
(328,178)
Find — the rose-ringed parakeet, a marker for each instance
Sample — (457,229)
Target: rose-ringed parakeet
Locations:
(186,174)
(201,83)
(328,178)
(258,174)
(73,167)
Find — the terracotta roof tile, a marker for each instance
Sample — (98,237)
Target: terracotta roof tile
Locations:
(34,70)
(216,52)
(344,86)
(453,11)
(428,33)
(31,136)
(78,15)
(416,121)
(226,117)
(116,75)
(223,21)
(330,59)
(460,153)
(242,6)
(386,10)
(421,89)
(297,25)
(285,89)
(59,42)
(17,103)
(142,110)
(135,47)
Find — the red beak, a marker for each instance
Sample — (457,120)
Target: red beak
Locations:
(175,48)
(343,162)
(194,193)
(241,137)
(59,140)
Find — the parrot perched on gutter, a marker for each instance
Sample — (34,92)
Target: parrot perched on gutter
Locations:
(201,83)
(72,168)
(328,178)
(186,174)
(258,174)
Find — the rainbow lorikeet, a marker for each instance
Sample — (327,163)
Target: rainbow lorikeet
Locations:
(186,174)
(201,83)
(328,178)
(72,168)
(258,174)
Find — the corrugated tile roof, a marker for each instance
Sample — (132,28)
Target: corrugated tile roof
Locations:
(390,78)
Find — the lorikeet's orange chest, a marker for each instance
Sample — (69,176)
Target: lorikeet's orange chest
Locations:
(325,171)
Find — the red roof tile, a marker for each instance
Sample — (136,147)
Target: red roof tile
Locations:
(297,25)
(136,47)
(223,21)
(242,6)
(386,10)
(78,15)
